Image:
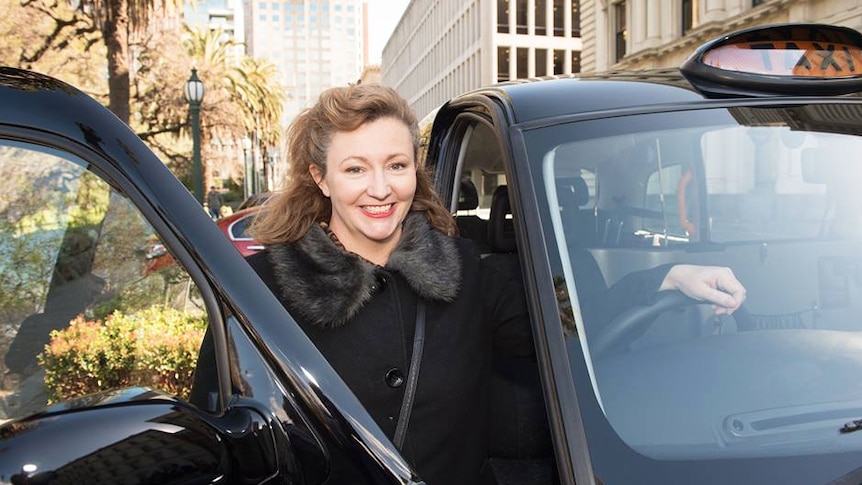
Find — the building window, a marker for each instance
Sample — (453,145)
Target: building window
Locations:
(541,62)
(559,61)
(755,3)
(522,63)
(621,32)
(576,18)
(503,63)
(541,17)
(503,16)
(576,61)
(559,18)
(689,15)
(521,17)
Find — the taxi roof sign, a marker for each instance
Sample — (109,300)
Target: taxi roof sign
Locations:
(784,59)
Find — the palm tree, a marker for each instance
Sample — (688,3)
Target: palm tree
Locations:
(242,85)
(120,21)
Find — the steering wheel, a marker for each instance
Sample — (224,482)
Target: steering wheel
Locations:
(634,321)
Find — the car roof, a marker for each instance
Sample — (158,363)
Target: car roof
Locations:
(545,98)
(548,97)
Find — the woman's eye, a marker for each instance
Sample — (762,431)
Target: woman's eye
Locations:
(354,170)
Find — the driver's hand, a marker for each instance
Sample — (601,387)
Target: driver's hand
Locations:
(713,284)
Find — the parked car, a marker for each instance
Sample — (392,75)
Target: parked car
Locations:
(235,226)
(254,200)
(745,157)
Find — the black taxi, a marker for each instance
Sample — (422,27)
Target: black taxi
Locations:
(747,157)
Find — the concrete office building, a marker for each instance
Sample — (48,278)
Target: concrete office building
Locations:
(316,44)
(222,15)
(443,47)
(633,34)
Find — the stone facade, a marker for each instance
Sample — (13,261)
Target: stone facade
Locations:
(654,28)
(441,48)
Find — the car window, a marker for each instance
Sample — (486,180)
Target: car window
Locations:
(90,299)
(239,227)
(771,195)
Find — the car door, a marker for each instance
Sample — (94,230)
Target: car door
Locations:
(100,341)
(136,345)
(473,140)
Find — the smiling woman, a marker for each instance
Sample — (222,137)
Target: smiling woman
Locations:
(361,251)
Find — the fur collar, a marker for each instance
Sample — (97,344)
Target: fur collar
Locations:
(328,286)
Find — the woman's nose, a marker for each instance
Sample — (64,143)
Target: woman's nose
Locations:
(379,186)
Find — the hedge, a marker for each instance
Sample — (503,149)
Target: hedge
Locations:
(156,347)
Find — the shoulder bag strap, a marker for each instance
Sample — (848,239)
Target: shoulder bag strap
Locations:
(412,376)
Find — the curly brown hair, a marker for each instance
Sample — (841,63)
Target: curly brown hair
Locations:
(290,213)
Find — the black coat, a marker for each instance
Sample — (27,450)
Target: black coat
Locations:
(362,317)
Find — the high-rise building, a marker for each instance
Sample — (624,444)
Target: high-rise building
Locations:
(223,15)
(316,44)
(443,47)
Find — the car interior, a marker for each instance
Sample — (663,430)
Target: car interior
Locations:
(519,442)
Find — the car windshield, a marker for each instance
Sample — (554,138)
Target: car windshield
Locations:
(771,193)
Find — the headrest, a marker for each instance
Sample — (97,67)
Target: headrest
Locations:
(572,192)
(468,196)
(501,229)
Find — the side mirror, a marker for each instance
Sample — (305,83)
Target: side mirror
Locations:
(141,437)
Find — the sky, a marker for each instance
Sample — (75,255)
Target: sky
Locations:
(383,16)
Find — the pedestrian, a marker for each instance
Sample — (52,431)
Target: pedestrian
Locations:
(361,252)
(215,201)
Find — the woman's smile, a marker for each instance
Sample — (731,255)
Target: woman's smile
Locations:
(379,210)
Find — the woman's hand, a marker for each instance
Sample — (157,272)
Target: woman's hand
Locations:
(713,284)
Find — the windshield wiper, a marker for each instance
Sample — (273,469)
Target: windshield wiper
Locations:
(852,426)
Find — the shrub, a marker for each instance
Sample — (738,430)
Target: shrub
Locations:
(155,347)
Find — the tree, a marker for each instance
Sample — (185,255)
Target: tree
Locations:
(54,39)
(119,21)
(242,94)
(68,41)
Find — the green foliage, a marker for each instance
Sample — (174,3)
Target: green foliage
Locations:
(68,40)
(156,347)
(233,193)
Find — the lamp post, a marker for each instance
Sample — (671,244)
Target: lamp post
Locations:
(248,190)
(194,92)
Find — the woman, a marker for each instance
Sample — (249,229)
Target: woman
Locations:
(354,241)
(356,244)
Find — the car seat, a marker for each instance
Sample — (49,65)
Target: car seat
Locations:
(471,226)
(501,227)
(580,224)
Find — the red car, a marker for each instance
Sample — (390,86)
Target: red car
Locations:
(235,225)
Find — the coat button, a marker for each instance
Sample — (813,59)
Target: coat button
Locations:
(394,377)
(380,283)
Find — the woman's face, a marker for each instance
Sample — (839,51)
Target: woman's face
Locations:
(370,181)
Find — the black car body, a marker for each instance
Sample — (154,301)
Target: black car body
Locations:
(578,183)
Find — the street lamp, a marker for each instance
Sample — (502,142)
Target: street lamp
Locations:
(194,92)
(248,190)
